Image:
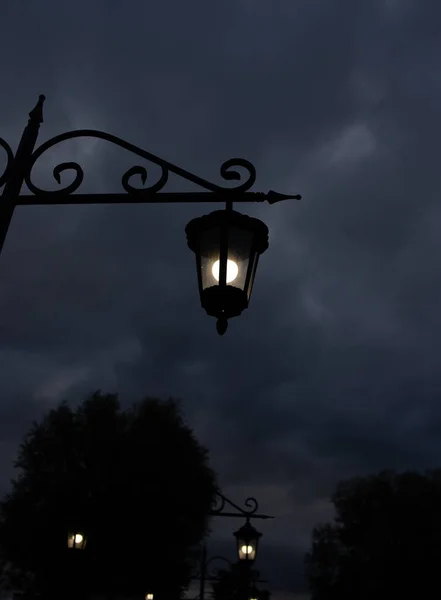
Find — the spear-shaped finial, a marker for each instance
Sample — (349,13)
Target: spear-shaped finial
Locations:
(36,114)
(221,325)
(274,197)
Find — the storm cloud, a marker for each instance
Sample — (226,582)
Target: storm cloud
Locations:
(334,370)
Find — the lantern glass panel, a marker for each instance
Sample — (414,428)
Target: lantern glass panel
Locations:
(210,249)
(239,243)
(254,261)
(76,540)
(247,549)
(239,248)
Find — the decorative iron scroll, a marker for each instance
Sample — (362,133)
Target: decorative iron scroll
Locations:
(9,159)
(228,169)
(205,571)
(222,501)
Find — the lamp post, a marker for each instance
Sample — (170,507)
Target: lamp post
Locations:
(226,243)
(248,535)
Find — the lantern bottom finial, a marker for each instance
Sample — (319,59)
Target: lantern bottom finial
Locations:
(221,325)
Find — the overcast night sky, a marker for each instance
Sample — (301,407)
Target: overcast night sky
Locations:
(334,369)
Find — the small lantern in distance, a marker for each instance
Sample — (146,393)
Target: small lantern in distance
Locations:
(254,594)
(247,538)
(76,540)
(149,596)
(227,246)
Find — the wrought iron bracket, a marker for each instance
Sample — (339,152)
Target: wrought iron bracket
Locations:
(249,512)
(228,171)
(19,167)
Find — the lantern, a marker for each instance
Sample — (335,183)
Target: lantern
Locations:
(253,594)
(247,538)
(76,540)
(227,245)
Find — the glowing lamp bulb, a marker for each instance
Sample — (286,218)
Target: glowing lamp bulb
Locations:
(232,270)
(78,538)
(246,550)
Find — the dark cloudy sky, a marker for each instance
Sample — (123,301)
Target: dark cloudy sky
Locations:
(334,370)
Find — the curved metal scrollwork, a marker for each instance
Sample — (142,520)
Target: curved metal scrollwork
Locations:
(228,169)
(210,573)
(218,504)
(9,158)
(205,568)
(221,501)
(252,505)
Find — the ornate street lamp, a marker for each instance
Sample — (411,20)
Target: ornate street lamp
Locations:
(76,540)
(220,509)
(247,538)
(227,245)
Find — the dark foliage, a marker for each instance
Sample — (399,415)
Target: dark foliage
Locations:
(385,541)
(136,481)
(238,583)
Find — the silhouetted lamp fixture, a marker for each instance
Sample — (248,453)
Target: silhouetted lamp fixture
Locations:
(77,540)
(227,245)
(247,538)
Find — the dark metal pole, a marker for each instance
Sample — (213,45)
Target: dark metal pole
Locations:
(203,569)
(19,169)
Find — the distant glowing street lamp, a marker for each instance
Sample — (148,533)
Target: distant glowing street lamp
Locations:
(149,596)
(227,244)
(247,538)
(253,594)
(76,540)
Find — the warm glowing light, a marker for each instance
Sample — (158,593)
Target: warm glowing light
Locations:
(149,597)
(78,538)
(246,549)
(232,270)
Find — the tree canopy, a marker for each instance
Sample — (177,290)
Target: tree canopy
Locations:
(385,540)
(135,481)
(238,583)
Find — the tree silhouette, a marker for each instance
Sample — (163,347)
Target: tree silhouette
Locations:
(238,583)
(137,483)
(385,540)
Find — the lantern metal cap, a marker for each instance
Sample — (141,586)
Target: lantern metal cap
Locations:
(197,226)
(247,531)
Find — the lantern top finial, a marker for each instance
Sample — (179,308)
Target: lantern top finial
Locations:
(247,531)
